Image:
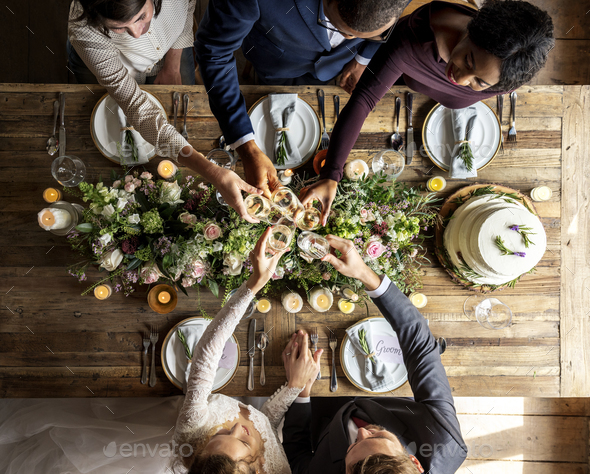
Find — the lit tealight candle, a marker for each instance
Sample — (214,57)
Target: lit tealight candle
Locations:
(292,302)
(541,193)
(345,306)
(54,219)
(102,292)
(321,299)
(419,300)
(323,302)
(263,305)
(51,195)
(164,297)
(356,169)
(285,177)
(167,169)
(438,183)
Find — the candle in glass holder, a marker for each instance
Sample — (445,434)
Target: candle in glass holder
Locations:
(356,169)
(164,297)
(263,305)
(345,306)
(292,302)
(51,195)
(438,183)
(308,219)
(54,219)
(321,299)
(285,177)
(167,169)
(541,193)
(419,300)
(102,292)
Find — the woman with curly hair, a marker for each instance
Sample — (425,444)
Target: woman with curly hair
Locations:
(453,54)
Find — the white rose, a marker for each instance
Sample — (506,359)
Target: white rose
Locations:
(390,220)
(105,239)
(217,246)
(171,193)
(108,211)
(133,219)
(121,203)
(111,260)
(234,263)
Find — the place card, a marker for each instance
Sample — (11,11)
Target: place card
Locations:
(228,358)
(387,349)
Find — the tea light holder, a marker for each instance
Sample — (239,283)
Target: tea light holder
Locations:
(321,299)
(52,195)
(68,216)
(419,300)
(285,177)
(292,302)
(438,183)
(356,169)
(102,292)
(263,306)
(541,193)
(346,306)
(167,169)
(162,298)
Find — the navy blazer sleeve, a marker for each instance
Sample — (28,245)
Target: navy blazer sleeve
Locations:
(225,25)
(426,373)
(297,437)
(368,49)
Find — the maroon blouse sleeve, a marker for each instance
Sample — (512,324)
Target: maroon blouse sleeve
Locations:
(377,79)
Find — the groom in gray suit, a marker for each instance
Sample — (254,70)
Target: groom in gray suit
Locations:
(385,434)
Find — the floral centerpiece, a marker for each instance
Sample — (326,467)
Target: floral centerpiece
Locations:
(142,230)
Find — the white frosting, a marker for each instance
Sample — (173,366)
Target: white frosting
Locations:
(471,233)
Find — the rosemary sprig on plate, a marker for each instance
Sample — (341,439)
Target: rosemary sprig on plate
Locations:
(364,344)
(281,152)
(182,339)
(466,154)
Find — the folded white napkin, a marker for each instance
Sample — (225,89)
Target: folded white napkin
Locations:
(282,111)
(374,375)
(460,119)
(142,146)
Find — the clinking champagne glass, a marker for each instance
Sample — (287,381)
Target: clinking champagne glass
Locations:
(286,200)
(390,162)
(313,245)
(281,235)
(69,171)
(258,206)
(308,219)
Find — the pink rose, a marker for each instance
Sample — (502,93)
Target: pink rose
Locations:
(187,282)
(146,175)
(374,249)
(129,187)
(326,276)
(116,184)
(128,178)
(137,183)
(196,269)
(212,231)
(364,213)
(187,218)
(150,273)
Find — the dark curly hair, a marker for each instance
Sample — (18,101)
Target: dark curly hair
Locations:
(369,15)
(384,464)
(220,464)
(518,33)
(96,12)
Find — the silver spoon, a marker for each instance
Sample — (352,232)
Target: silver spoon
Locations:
(396,139)
(52,143)
(262,342)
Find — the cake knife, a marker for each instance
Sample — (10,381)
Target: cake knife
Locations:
(410,143)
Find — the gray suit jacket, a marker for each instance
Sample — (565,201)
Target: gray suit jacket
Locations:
(426,425)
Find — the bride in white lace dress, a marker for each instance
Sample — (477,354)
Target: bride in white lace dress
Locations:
(226,436)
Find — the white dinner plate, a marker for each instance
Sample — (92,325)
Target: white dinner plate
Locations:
(106,131)
(174,358)
(304,130)
(439,141)
(352,365)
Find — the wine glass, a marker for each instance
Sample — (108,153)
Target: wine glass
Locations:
(286,200)
(390,162)
(281,235)
(490,312)
(308,218)
(224,159)
(258,206)
(313,245)
(69,171)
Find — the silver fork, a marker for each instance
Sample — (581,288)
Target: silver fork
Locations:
(325,142)
(314,340)
(146,345)
(333,380)
(512,131)
(153,340)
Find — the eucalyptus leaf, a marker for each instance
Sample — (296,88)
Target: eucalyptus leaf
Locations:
(214,287)
(86,227)
(136,262)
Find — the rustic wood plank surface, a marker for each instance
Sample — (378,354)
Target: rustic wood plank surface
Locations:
(53,342)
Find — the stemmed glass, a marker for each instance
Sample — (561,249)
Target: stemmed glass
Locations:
(224,159)
(69,171)
(490,312)
(281,235)
(390,162)
(313,245)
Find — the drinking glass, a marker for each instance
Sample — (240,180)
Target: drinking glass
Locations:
(286,200)
(308,219)
(69,171)
(258,206)
(313,245)
(224,159)
(281,235)
(390,162)
(490,312)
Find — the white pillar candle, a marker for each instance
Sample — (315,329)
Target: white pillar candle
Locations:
(292,302)
(356,169)
(285,177)
(167,169)
(541,193)
(54,219)
(321,299)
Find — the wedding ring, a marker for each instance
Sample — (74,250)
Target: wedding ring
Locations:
(288,354)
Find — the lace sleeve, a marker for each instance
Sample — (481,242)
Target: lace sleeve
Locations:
(206,357)
(278,404)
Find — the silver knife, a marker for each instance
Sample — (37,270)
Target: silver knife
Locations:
(62,127)
(251,349)
(176,100)
(410,143)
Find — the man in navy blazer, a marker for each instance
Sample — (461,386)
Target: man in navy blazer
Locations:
(288,42)
(381,434)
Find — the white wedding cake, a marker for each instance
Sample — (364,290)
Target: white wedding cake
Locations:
(485,242)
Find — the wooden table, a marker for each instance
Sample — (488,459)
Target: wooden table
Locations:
(55,343)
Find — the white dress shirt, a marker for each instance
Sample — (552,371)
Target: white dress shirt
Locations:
(121,62)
